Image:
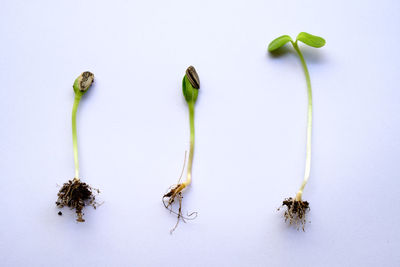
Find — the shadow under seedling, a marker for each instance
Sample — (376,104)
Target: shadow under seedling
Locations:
(296,207)
(190,88)
(74,193)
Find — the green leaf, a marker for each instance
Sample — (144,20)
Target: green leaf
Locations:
(279,42)
(311,40)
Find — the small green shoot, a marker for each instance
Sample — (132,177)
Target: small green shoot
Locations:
(190,88)
(75,194)
(296,207)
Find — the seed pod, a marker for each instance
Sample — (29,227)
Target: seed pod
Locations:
(193,77)
(83,82)
(191,84)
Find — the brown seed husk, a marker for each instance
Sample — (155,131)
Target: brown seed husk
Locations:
(76,195)
(296,212)
(193,77)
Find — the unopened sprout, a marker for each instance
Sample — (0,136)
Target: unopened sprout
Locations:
(296,207)
(190,88)
(74,193)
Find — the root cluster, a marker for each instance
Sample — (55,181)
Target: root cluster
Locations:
(76,195)
(174,195)
(296,212)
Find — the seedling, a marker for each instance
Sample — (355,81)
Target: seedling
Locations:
(296,207)
(190,88)
(74,193)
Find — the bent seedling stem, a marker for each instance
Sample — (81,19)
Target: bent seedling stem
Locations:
(75,194)
(296,207)
(190,88)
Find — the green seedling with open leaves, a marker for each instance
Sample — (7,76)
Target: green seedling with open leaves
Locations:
(296,207)
(190,89)
(74,193)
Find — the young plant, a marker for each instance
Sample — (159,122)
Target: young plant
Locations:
(76,194)
(296,207)
(190,88)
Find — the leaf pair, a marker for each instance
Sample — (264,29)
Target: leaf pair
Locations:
(308,39)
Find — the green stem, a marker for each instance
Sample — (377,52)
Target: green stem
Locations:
(191,151)
(309,123)
(74,135)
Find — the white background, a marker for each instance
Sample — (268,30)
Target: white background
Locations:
(133,130)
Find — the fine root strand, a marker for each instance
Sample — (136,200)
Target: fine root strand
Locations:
(183,167)
(174,195)
(76,195)
(295,212)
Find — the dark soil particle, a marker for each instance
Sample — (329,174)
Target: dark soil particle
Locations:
(296,212)
(76,195)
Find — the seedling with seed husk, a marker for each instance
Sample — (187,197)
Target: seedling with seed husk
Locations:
(74,193)
(190,88)
(296,207)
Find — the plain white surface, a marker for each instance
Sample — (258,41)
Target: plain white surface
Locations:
(250,132)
